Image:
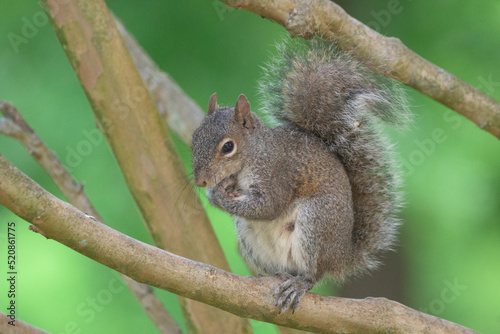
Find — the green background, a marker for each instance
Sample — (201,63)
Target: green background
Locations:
(448,261)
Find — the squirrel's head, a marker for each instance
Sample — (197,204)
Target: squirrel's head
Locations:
(219,144)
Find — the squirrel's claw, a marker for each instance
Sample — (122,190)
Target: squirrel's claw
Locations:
(290,292)
(290,298)
(233,193)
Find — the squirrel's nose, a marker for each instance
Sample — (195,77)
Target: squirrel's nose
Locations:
(199,182)
(200,178)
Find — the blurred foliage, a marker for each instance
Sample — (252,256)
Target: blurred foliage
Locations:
(451,234)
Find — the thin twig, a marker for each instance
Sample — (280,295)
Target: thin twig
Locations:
(14,125)
(386,56)
(151,304)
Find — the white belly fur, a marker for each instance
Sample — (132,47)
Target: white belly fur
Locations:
(272,243)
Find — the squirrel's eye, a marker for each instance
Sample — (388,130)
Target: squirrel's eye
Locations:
(228,147)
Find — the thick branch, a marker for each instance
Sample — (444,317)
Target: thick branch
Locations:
(384,55)
(244,296)
(126,114)
(14,125)
(179,112)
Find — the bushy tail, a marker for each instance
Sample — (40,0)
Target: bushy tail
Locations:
(317,87)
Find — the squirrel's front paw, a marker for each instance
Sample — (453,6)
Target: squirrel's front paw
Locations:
(228,187)
(290,292)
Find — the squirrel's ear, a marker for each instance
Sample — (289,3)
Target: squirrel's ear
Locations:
(212,103)
(242,112)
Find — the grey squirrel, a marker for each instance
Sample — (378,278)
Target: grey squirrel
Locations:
(317,194)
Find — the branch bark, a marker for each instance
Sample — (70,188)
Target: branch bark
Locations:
(127,116)
(14,125)
(247,297)
(20,327)
(179,112)
(386,56)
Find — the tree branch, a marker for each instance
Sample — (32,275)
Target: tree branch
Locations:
(179,112)
(244,296)
(14,125)
(126,114)
(386,56)
(20,327)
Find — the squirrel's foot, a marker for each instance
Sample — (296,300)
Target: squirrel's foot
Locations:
(291,291)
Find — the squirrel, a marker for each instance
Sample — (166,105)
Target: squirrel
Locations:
(316,194)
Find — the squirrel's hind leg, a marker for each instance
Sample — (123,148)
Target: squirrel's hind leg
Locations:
(325,220)
(303,255)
